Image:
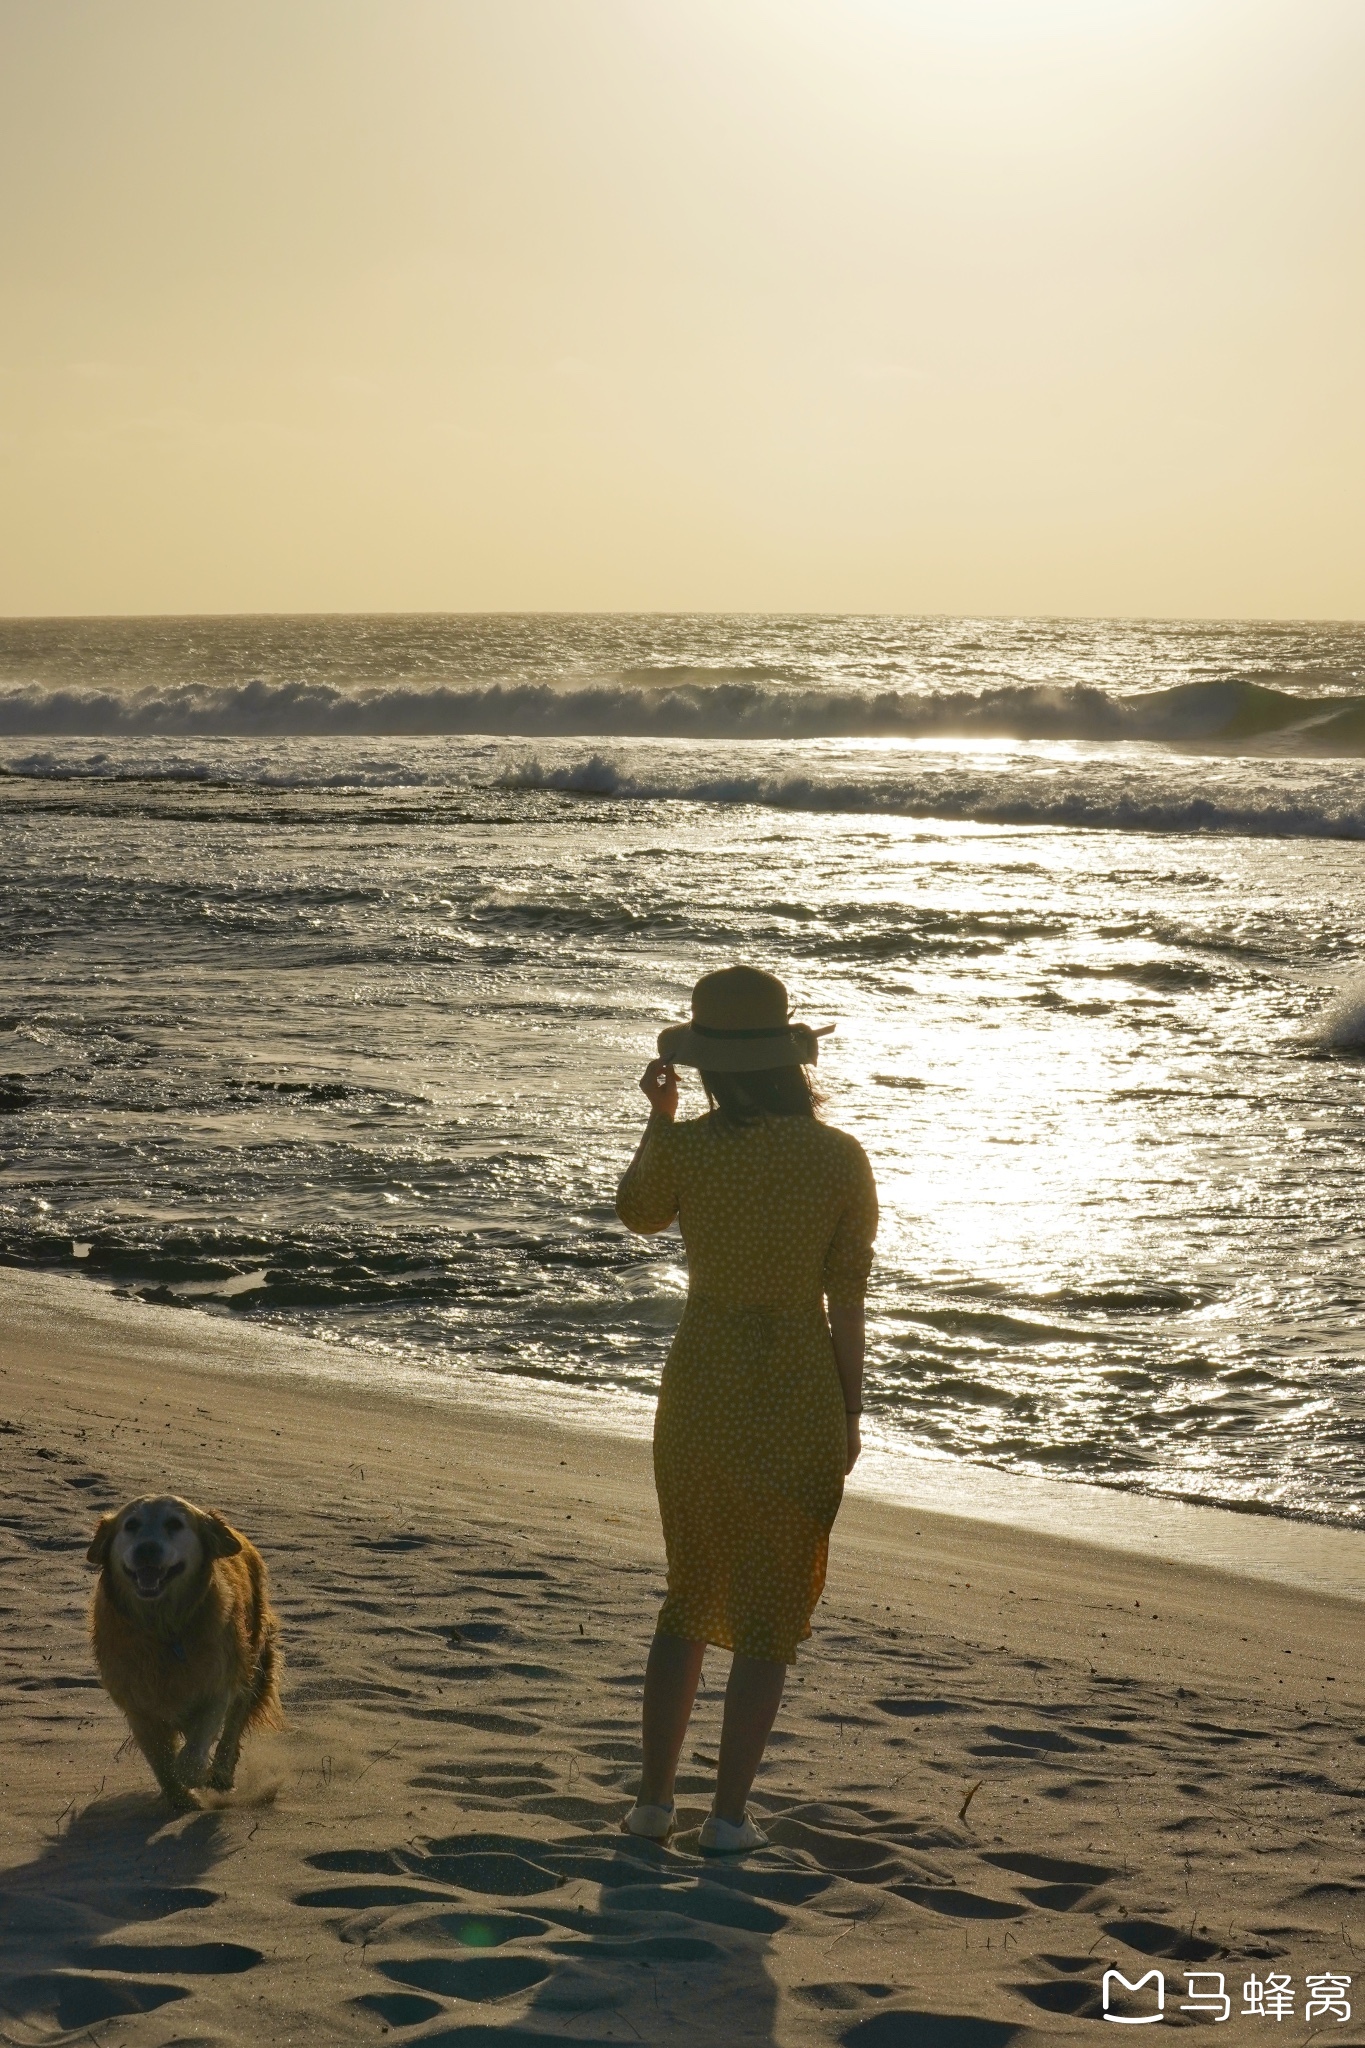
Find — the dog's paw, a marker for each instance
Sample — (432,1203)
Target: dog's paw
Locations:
(219,1779)
(180,1798)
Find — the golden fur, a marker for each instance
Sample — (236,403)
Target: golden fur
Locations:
(185,1638)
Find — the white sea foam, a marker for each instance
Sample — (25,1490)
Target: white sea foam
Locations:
(980,801)
(1107,789)
(677,703)
(1342,1027)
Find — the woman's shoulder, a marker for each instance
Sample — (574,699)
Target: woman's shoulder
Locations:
(844,1141)
(848,1162)
(840,1148)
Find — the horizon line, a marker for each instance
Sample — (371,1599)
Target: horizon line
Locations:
(651,612)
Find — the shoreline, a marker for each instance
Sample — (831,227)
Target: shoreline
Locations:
(1247,1542)
(1007,1760)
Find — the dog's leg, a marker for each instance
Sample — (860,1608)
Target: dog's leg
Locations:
(260,1698)
(157,1742)
(224,1768)
(192,1764)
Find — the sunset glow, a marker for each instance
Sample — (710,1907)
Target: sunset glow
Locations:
(974,308)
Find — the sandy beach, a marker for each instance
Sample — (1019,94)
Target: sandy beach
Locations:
(1167,1762)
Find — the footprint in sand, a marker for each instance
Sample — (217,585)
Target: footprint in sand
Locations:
(481,1930)
(491,1864)
(1027,1742)
(158,1902)
(1155,1938)
(69,2002)
(399,2008)
(472,1978)
(843,1997)
(917,1709)
(165,1959)
(1064,1882)
(957,1903)
(81,1994)
(905,2029)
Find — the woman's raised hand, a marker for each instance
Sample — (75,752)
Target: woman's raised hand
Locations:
(659,1083)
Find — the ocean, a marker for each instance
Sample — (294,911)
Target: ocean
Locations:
(334,949)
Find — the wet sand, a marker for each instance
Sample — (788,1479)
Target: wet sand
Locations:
(1168,1763)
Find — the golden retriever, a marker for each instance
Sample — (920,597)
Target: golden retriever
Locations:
(185,1638)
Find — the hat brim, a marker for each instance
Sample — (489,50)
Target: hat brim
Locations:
(795,1045)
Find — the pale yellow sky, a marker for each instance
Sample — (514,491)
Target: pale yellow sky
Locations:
(985,306)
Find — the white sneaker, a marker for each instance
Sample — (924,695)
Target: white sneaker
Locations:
(651,1823)
(724,1838)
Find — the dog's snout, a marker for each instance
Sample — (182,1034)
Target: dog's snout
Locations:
(146,1553)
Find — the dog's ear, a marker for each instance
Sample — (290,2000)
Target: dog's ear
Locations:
(102,1538)
(218,1540)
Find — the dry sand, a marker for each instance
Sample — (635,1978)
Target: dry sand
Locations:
(1169,1760)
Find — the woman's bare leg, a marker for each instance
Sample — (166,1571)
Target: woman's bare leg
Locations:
(671,1677)
(752,1699)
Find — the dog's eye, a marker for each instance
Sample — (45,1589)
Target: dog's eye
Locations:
(132,1525)
(173,1525)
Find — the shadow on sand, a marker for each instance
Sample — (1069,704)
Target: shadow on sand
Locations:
(591,1926)
(81,1924)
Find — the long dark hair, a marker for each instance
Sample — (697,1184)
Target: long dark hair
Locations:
(740,1099)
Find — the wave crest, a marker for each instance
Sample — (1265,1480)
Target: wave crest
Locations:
(1096,810)
(683,703)
(1342,1028)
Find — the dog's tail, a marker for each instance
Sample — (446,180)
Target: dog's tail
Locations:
(265,1710)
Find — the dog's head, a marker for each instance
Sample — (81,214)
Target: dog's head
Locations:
(157,1547)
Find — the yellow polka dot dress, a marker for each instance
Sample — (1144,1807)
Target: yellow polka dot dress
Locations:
(750,1437)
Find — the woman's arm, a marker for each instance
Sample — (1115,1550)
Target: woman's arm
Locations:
(847,1328)
(646,1200)
(659,1086)
(847,1263)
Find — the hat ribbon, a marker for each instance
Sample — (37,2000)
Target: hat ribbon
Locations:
(766,1031)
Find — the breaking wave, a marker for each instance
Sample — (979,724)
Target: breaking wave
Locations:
(1342,1028)
(685,703)
(940,797)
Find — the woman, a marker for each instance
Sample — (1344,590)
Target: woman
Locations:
(757,1423)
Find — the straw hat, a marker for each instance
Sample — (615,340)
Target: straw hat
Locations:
(740,1024)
